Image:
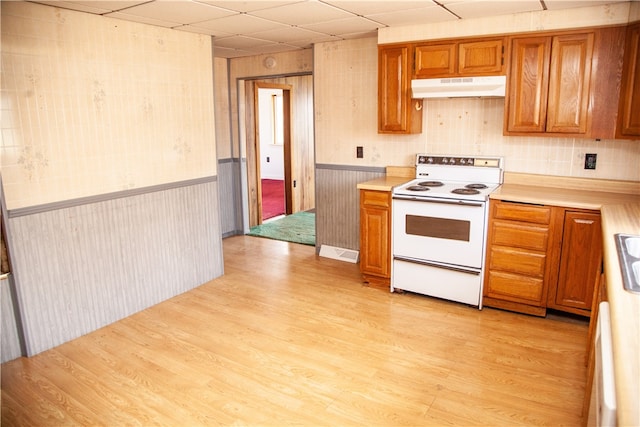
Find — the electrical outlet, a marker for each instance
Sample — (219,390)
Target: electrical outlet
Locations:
(590,160)
(359,152)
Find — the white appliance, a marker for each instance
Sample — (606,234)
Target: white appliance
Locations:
(439,223)
(603,407)
(457,87)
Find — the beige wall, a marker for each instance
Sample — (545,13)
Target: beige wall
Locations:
(252,67)
(345,76)
(93,105)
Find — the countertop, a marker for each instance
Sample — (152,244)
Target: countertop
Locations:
(383,184)
(619,204)
(625,312)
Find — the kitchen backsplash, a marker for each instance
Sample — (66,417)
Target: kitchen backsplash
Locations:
(93,105)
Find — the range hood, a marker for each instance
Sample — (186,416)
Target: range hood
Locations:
(459,87)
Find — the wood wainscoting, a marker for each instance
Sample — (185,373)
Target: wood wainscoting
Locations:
(288,337)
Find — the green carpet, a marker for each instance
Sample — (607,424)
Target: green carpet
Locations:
(299,227)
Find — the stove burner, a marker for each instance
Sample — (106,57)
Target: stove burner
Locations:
(465,191)
(476,186)
(417,188)
(431,183)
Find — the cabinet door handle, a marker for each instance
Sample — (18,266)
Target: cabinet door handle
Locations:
(584,221)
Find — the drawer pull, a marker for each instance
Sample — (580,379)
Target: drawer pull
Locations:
(584,221)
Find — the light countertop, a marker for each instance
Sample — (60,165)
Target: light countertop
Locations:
(383,184)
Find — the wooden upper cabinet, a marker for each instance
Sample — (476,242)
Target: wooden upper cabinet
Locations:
(528,84)
(482,57)
(569,82)
(435,60)
(396,110)
(629,110)
(549,83)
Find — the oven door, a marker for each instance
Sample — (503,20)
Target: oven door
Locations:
(440,230)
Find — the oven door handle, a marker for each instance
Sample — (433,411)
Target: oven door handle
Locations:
(438,265)
(445,202)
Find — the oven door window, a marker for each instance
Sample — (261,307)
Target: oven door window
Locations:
(442,228)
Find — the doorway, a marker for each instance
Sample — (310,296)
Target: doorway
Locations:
(273,149)
(297,144)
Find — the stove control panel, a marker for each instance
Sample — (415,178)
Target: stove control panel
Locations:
(425,159)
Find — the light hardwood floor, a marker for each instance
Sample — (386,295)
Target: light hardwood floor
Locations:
(287,337)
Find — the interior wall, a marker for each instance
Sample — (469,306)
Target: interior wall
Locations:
(93,105)
(108,168)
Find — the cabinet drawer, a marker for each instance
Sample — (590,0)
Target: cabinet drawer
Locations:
(375,198)
(514,287)
(525,213)
(519,261)
(520,235)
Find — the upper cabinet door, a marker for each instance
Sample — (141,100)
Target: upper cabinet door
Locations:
(479,58)
(549,85)
(629,115)
(569,83)
(435,60)
(457,58)
(528,84)
(396,113)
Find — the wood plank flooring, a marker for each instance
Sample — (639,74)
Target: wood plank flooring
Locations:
(289,338)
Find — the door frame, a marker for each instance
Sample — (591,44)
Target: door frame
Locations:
(253,151)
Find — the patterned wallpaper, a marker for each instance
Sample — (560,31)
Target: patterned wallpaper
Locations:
(93,105)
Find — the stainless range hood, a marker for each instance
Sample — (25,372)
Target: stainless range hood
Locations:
(459,87)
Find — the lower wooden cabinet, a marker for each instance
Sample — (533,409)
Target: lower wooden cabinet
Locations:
(518,249)
(541,257)
(375,237)
(580,263)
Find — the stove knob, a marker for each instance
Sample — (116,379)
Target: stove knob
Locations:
(452,161)
(462,161)
(470,162)
(445,161)
(430,160)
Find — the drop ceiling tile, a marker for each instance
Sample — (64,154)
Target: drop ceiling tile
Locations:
(288,34)
(241,42)
(304,13)
(367,7)
(198,30)
(141,19)
(479,8)
(239,24)
(354,24)
(97,7)
(180,12)
(424,15)
(248,6)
